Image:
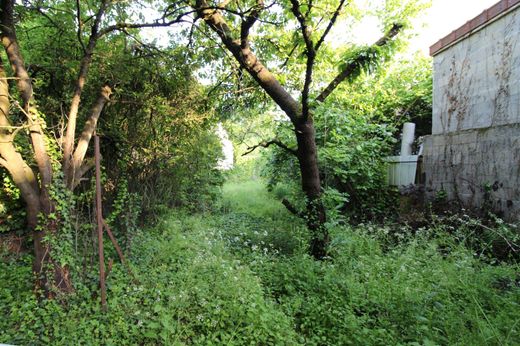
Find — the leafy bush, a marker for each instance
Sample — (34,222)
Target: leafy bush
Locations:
(351,155)
(12,211)
(352,163)
(356,128)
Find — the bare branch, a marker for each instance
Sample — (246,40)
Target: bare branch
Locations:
(266,144)
(330,25)
(356,62)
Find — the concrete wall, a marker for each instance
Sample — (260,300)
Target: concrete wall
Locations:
(475,138)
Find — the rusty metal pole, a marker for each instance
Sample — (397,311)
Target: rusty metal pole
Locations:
(119,252)
(99,215)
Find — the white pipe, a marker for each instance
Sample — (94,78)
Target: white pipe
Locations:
(407,139)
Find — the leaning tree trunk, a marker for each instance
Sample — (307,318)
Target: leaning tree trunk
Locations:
(311,185)
(50,274)
(307,153)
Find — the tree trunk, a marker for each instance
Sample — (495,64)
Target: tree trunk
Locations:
(50,275)
(311,186)
(304,127)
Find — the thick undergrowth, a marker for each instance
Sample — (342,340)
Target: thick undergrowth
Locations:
(241,275)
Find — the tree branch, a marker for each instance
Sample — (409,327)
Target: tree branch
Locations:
(248,23)
(266,144)
(291,208)
(330,25)
(80,25)
(356,62)
(86,135)
(22,175)
(248,60)
(286,61)
(70,134)
(87,165)
(310,52)
(23,81)
(158,23)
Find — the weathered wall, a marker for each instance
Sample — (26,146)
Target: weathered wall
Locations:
(477,81)
(476,118)
(465,164)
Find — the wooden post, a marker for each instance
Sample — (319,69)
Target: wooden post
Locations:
(99,215)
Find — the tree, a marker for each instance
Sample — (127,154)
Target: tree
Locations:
(35,185)
(35,192)
(233,23)
(357,128)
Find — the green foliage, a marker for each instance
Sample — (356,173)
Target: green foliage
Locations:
(190,291)
(12,211)
(355,130)
(352,161)
(491,239)
(158,137)
(363,59)
(167,148)
(60,237)
(371,293)
(396,92)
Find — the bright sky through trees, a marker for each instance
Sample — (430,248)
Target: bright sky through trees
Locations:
(440,19)
(443,17)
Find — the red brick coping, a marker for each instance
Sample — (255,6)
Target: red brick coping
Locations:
(478,22)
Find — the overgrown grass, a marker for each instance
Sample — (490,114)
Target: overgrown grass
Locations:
(241,276)
(252,198)
(190,291)
(383,289)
